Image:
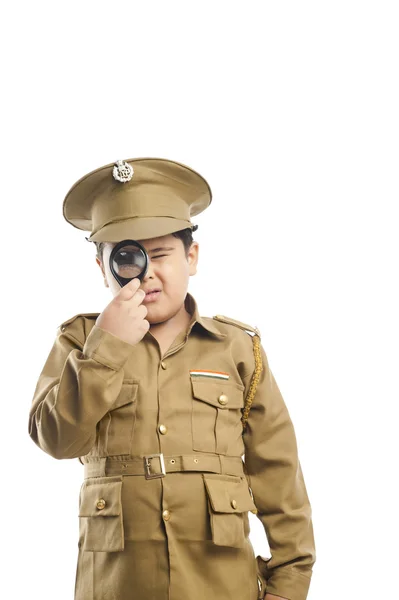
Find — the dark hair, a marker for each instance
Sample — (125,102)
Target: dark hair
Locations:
(185,235)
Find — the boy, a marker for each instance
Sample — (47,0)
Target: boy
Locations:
(161,405)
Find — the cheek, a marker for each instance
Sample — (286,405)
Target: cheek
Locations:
(174,272)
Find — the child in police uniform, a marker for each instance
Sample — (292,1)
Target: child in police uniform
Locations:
(177,418)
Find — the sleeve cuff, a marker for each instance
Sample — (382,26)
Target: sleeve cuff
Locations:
(106,348)
(290,583)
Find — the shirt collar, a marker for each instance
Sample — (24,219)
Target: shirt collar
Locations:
(192,307)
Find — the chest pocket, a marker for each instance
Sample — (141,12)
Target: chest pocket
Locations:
(116,428)
(216,414)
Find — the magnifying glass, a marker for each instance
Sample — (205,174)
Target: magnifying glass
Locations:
(128,260)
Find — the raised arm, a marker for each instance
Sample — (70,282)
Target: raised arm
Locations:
(79,383)
(83,374)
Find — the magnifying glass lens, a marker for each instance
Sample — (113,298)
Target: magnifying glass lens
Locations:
(129,261)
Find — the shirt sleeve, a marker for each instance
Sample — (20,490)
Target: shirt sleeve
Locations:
(275,477)
(80,382)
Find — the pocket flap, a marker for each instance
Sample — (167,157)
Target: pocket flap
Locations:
(101,497)
(127,393)
(210,392)
(228,493)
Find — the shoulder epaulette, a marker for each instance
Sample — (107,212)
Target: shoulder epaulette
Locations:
(258,362)
(65,323)
(237,324)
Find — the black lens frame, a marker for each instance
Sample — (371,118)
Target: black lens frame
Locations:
(124,280)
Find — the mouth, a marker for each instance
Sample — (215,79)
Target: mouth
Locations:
(152,295)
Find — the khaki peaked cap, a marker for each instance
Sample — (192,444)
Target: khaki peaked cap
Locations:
(158,198)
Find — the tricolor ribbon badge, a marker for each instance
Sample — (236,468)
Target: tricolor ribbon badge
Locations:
(209,374)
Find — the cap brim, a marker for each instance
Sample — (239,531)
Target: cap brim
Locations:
(139,229)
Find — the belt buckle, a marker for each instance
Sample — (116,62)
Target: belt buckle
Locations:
(147,466)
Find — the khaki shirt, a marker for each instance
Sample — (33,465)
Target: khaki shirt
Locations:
(163,506)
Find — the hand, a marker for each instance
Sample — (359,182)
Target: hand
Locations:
(124,315)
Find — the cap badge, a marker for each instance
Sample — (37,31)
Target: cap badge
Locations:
(122,171)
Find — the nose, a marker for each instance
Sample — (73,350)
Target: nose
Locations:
(150,271)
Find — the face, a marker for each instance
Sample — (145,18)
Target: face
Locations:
(169,269)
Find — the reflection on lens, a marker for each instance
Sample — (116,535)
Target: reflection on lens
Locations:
(129,261)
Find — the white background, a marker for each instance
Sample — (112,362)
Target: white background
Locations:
(290,111)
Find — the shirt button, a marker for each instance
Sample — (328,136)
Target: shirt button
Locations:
(223,399)
(233,503)
(166,515)
(163,428)
(163,364)
(100,503)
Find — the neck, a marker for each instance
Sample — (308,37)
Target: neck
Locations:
(175,324)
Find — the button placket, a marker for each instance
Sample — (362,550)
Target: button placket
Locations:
(161,428)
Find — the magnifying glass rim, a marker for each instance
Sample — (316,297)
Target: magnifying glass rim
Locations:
(124,280)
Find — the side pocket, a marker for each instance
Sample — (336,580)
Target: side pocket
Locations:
(100,514)
(229,501)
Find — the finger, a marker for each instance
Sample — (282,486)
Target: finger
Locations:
(138,297)
(142,310)
(127,291)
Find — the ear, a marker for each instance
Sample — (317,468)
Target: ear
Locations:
(192,258)
(100,264)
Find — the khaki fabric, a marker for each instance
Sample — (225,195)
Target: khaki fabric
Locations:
(159,197)
(182,535)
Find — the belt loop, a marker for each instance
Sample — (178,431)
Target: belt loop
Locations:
(222,467)
(96,468)
(102,466)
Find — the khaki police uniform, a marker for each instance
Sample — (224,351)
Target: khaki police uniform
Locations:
(176,448)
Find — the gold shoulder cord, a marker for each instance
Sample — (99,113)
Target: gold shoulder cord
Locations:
(254,380)
(251,395)
(258,363)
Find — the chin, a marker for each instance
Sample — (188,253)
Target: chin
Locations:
(155,316)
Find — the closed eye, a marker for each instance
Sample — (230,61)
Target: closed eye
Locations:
(159,256)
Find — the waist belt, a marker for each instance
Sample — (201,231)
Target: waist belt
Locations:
(158,465)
